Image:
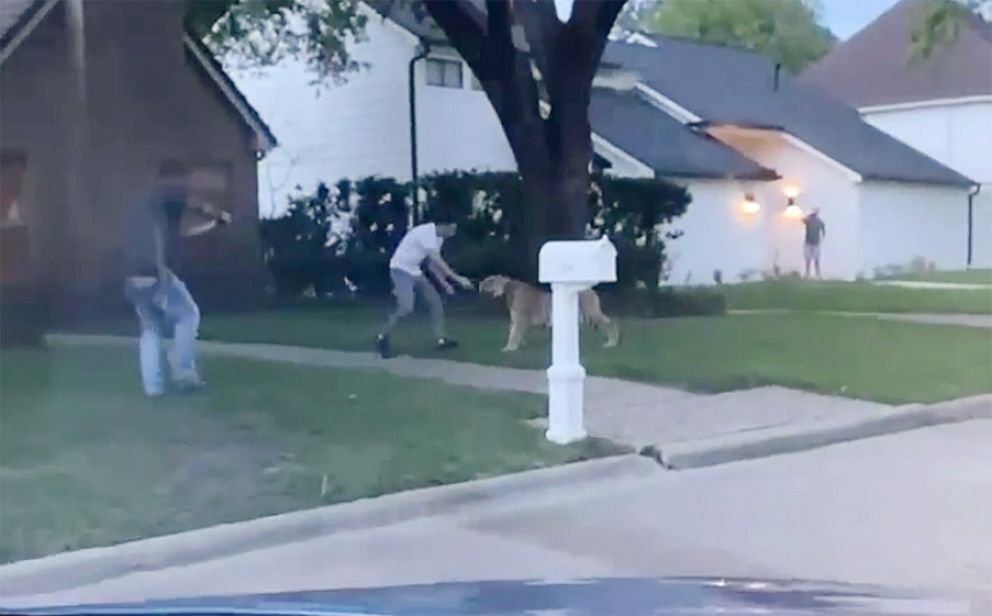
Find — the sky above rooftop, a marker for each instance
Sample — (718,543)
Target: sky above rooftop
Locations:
(845,17)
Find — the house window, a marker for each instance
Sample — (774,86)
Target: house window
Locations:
(444,73)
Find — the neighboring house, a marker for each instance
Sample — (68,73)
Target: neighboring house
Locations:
(95,94)
(719,120)
(941,105)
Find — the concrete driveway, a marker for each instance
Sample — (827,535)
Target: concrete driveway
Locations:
(910,509)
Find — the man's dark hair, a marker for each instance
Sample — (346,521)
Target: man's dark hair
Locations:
(172,169)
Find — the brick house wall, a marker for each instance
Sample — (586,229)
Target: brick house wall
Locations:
(147,99)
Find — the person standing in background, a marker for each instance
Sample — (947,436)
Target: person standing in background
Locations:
(816,230)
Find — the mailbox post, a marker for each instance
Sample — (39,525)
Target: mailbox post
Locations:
(570,267)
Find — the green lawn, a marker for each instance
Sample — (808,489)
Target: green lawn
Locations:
(853,297)
(975,276)
(854,356)
(87,460)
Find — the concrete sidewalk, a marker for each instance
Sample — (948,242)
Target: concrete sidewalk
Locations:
(933,285)
(927,318)
(635,414)
(911,510)
(965,320)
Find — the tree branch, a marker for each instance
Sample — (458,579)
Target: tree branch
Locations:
(460,21)
(597,17)
(541,25)
(503,70)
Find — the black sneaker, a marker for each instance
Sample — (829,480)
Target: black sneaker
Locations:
(382,346)
(444,344)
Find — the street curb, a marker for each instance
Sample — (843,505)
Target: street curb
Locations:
(88,566)
(791,438)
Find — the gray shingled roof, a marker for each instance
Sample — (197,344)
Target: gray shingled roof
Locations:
(873,67)
(725,85)
(663,143)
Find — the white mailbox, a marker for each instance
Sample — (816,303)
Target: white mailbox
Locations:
(588,261)
(570,267)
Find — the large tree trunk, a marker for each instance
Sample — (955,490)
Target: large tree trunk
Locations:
(556,205)
(553,153)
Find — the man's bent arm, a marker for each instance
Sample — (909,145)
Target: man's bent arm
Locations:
(437,260)
(441,278)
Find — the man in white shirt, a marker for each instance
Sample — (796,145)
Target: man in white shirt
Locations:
(421,243)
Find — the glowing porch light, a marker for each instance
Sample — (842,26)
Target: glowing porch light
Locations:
(793,211)
(749,205)
(791,191)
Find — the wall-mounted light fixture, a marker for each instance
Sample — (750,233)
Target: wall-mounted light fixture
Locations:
(791,209)
(749,205)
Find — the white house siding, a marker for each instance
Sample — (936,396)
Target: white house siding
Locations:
(982,228)
(955,133)
(361,127)
(823,185)
(958,134)
(903,222)
(717,235)
(330,131)
(457,129)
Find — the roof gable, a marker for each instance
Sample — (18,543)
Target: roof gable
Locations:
(873,67)
(637,127)
(18,18)
(729,85)
(725,85)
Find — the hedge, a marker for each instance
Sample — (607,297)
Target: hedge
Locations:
(340,238)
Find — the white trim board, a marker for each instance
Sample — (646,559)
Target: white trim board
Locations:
(638,38)
(662,102)
(27,29)
(924,104)
(265,143)
(789,138)
(609,151)
(851,174)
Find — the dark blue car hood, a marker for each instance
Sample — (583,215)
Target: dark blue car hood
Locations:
(616,596)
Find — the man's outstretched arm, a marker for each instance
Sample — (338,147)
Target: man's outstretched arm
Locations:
(438,261)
